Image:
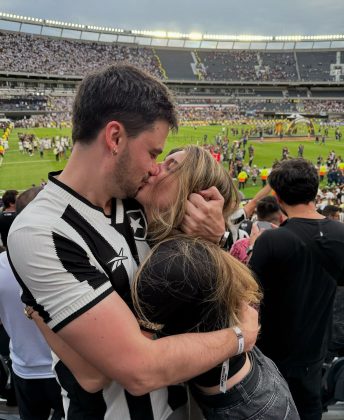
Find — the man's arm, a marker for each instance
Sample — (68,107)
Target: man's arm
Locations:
(109,338)
(89,378)
(252,204)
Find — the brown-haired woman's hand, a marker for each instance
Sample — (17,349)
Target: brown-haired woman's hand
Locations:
(204,217)
(249,325)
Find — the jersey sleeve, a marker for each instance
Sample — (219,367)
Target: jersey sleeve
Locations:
(57,276)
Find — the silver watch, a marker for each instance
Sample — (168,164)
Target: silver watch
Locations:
(224,239)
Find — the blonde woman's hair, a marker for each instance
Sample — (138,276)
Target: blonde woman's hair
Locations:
(235,283)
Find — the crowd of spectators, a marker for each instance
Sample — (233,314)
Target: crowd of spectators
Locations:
(34,54)
(27,53)
(278,66)
(56,110)
(23,104)
(232,65)
(312,106)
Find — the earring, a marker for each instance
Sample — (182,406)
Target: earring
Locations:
(114,152)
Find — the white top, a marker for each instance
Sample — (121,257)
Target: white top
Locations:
(30,355)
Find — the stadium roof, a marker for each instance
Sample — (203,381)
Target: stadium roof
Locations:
(165,38)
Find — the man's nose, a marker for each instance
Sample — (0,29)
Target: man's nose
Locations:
(155,169)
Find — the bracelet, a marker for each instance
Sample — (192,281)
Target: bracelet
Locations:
(241,341)
(224,239)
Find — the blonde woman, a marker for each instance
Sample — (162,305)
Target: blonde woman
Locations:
(192,285)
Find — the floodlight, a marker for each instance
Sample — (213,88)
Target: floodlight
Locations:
(195,36)
(174,35)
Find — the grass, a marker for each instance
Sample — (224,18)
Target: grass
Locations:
(20,171)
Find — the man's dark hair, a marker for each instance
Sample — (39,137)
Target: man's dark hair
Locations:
(295,181)
(9,198)
(330,210)
(26,197)
(121,93)
(267,208)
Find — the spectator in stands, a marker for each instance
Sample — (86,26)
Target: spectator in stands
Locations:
(268,210)
(299,266)
(37,390)
(331,212)
(8,214)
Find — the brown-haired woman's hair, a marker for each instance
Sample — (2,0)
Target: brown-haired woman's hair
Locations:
(235,283)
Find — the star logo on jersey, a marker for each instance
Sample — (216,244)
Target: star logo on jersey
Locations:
(138,224)
(118,260)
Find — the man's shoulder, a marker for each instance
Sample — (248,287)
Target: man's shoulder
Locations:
(277,234)
(336,228)
(38,215)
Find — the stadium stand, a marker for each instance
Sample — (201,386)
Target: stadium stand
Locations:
(179,65)
(39,75)
(278,66)
(232,65)
(316,66)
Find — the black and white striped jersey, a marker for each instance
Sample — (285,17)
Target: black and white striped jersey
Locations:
(67,256)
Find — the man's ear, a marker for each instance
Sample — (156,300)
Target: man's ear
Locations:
(114,132)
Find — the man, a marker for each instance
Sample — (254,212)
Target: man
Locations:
(36,388)
(268,210)
(331,212)
(76,249)
(2,152)
(242,179)
(300,150)
(299,266)
(8,214)
(264,173)
(250,155)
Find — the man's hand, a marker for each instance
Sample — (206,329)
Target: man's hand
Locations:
(249,325)
(204,216)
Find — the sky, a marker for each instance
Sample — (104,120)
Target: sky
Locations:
(231,17)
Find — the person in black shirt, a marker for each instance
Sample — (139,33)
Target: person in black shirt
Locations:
(8,214)
(191,285)
(299,266)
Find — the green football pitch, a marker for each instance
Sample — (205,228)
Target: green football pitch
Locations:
(20,171)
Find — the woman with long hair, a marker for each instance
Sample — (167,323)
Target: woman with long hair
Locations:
(190,285)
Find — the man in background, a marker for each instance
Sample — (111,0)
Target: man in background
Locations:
(36,388)
(299,266)
(8,214)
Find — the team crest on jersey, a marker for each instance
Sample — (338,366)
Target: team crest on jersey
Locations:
(138,224)
(117,260)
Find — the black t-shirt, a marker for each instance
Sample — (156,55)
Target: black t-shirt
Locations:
(6,219)
(176,290)
(299,266)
